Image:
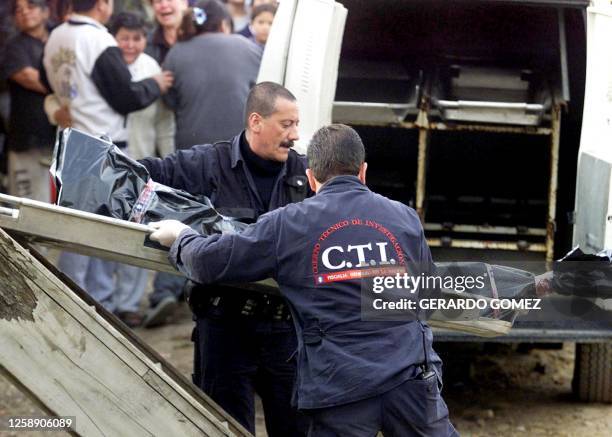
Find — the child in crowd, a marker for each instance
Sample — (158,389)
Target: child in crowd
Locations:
(150,133)
(261,22)
(150,130)
(246,30)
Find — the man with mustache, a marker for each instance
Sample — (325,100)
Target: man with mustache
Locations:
(244,340)
(214,72)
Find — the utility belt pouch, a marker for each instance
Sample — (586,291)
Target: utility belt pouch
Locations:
(234,302)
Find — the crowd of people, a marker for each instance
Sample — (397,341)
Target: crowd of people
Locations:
(182,98)
(150,86)
(153,88)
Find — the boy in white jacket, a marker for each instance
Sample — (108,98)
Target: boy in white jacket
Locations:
(150,132)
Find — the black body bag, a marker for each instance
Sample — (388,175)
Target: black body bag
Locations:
(92,174)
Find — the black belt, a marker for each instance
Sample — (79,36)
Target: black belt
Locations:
(258,307)
(234,302)
(121,144)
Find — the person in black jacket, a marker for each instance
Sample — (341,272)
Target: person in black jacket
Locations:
(244,340)
(208,99)
(30,136)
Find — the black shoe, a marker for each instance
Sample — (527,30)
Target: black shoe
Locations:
(160,313)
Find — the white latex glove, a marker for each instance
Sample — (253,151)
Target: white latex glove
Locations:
(167,231)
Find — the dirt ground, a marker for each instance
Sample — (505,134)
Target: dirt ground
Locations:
(491,390)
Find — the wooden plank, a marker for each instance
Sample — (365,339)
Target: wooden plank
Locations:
(168,369)
(77,364)
(172,395)
(128,335)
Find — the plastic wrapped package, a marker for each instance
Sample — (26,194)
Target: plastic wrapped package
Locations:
(92,174)
(159,202)
(584,275)
(479,308)
(472,297)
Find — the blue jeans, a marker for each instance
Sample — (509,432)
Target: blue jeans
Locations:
(93,275)
(130,286)
(116,286)
(234,357)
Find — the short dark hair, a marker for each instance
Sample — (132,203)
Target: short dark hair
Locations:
(262,99)
(62,8)
(83,5)
(215,14)
(266,7)
(129,21)
(335,150)
(40,3)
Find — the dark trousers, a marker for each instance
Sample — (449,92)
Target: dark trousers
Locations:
(238,356)
(414,408)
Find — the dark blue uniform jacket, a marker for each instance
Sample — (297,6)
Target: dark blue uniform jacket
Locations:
(219,172)
(311,248)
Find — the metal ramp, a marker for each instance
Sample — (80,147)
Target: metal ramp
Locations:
(83,232)
(93,235)
(37,222)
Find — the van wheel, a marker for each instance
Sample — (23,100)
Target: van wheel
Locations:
(593,372)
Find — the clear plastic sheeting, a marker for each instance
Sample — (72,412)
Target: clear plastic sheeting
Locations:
(92,174)
(497,291)
(471,297)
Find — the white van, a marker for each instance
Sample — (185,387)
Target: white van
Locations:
(478,113)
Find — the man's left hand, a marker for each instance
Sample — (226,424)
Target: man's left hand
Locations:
(167,231)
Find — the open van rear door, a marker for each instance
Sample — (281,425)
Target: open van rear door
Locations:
(593,224)
(274,60)
(306,59)
(593,221)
